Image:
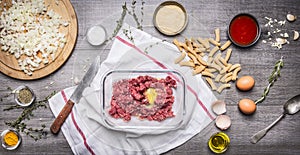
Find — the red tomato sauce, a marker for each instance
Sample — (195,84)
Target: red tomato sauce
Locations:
(243,30)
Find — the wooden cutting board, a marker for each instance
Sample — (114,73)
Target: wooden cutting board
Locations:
(9,64)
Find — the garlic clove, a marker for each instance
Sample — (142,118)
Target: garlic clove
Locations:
(219,107)
(291,17)
(223,122)
(296,35)
(281,41)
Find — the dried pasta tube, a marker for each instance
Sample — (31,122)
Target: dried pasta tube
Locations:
(181,57)
(196,62)
(233,67)
(222,87)
(226,76)
(217,61)
(217,34)
(213,51)
(211,40)
(212,70)
(211,83)
(218,77)
(235,72)
(176,42)
(224,62)
(206,73)
(226,45)
(213,65)
(228,79)
(200,59)
(187,63)
(228,54)
(210,60)
(226,69)
(202,49)
(205,43)
(188,43)
(198,69)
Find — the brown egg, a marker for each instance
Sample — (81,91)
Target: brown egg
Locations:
(247,106)
(245,83)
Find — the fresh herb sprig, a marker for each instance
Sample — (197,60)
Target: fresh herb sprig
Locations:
(20,125)
(273,77)
(131,12)
(7,95)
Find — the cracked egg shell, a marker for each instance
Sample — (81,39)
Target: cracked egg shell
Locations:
(223,122)
(219,107)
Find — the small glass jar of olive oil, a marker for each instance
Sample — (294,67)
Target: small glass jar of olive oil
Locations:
(219,142)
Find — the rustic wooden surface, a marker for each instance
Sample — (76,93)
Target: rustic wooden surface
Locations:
(257,61)
(9,64)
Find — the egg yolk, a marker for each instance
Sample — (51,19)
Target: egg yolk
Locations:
(245,83)
(247,106)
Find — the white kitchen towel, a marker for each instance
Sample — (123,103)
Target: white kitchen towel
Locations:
(85,129)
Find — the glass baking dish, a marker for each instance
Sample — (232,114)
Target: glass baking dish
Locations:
(128,105)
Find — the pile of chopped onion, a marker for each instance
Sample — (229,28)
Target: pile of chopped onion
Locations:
(30,32)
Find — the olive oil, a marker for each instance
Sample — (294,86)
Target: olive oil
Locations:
(219,142)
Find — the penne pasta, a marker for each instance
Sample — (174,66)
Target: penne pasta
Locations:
(211,40)
(187,63)
(211,83)
(181,57)
(207,73)
(217,35)
(233,67)
(226,45)
(222,87)
(213,51)
(194,59)
(225,76)
(228,54)
(234,75)
(205,42)
(218,78)
(224,62)
(198,69)
(176,42)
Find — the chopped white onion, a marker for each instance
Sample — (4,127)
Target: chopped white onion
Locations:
(27,28)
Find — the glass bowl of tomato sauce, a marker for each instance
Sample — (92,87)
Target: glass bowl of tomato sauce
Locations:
(244,30)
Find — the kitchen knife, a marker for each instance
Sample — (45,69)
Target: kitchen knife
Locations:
(76,96)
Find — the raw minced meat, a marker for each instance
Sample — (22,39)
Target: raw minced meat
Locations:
(145,97)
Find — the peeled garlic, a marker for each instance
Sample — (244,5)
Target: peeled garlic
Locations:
(219,107)
(296,35)
(223,122)
(281,41)
(291,17)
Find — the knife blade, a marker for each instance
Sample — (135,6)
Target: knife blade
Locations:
(76,96)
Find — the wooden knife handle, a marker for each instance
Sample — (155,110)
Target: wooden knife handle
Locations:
(62,116)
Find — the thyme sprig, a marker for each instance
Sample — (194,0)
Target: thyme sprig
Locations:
(20,125)
(128,34)
(7,95)
(131,12)
(154,44)
(119,22)
(273,77)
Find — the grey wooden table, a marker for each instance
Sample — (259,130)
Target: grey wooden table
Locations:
(205,15)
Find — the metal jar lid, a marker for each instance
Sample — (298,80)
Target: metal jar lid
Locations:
(170,18)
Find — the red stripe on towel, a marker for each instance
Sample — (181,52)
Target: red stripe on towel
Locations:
(76,125)
(164,67)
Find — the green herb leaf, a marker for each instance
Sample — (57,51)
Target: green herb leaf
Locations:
(272,78)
